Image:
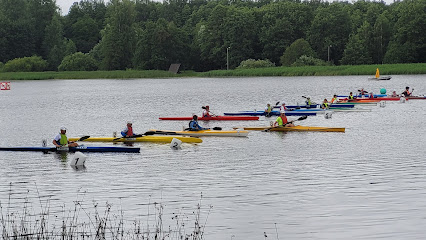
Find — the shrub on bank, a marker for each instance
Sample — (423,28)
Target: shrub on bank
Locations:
(78,62)
(251,63)
(26,64)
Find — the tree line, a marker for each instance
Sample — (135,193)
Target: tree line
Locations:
(205,35)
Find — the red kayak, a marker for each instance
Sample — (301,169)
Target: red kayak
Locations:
(214,118)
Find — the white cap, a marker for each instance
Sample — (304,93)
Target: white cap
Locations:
(63,128)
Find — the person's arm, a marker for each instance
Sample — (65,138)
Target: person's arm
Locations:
(55,141)
(124,132)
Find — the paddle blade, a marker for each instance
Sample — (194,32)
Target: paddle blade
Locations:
(217,128)
(302,118)
(83,138)
(277,103)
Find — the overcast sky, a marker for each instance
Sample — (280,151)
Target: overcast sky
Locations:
(66,4)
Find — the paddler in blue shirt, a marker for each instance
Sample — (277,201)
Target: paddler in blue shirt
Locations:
(282,121)
(194,126)
(61,139)
(128,131)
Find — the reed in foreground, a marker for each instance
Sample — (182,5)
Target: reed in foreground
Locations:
(94,222)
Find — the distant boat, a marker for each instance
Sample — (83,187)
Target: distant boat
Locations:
(378,77)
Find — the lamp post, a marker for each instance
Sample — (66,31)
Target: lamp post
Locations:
(227,58)
(329,46)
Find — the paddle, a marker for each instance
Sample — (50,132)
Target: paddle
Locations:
(83,138)
(135,136)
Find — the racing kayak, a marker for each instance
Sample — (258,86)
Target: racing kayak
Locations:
(162,139)
(212,118)
(273,113)
(316,106)
(296,129)
(73,149)
(209,132)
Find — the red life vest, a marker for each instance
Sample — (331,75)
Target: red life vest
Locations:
(129,131)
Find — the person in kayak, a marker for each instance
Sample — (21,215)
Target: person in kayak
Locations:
(394,94)
(334,99)
(282,121)
(194,126)
(351,97)
(325,104)
(61,139)
(283,108)
(206,112)
(268,110)
(308,102)
(407,92)
(128,130)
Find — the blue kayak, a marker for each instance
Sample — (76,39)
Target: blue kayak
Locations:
(73,149)
(273,113)
(340,105)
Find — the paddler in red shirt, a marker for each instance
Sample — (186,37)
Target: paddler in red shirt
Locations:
(282,121)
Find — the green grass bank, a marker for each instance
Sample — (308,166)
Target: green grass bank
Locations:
(385,69)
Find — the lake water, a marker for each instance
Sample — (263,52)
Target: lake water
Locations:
(366,183)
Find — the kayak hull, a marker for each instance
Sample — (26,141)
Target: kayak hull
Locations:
(158,139)
(296,129)
(214,118)
(273,113)
(73,149)
(205,133)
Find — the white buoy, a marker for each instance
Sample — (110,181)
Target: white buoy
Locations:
(175,144)
(328,114)
(382,103)
(402,100)
(79,159)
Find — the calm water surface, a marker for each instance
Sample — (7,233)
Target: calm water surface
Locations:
(366,183)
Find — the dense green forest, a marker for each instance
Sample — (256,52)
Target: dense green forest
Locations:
(206,35)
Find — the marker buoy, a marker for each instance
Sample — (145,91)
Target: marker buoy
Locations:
(175,144)
(79,159)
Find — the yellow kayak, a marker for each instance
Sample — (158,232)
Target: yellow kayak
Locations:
(162,139)
(203,133)
(296,129)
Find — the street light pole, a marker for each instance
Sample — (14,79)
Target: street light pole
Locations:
(329,46)
(227,58)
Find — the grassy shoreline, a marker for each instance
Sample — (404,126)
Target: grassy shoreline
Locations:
(385,69)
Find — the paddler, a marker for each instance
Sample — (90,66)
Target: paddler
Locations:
(206,111)
(268,110)
(283,108)
(325,104)
(334,99)
(407,92)
(194,126)
(128,130)
(351,97)
(282,121)
(61,139)
(308,102)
